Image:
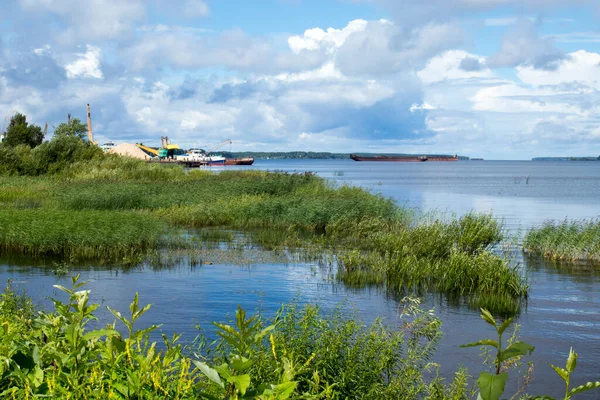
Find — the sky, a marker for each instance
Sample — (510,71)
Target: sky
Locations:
(498,79)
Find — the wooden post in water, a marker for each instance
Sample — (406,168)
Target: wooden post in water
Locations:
(89,122)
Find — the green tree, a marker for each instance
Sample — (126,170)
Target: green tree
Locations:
(20,132)
(73,128)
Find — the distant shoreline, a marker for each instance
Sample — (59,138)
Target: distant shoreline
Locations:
(308,155)
(566,158)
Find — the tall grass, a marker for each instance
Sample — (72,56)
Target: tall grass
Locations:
(566,240)
(89,235)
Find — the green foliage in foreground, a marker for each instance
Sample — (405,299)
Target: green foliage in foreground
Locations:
(566,240)
(299,355)
(491,385)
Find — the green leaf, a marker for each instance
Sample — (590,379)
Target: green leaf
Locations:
(585,388)
(240,363)
(64,289)
(515,350)
(224,371)
(241,382)
(491,386)
(487,317)
(91,335)
(504,325)
(208,396)
(561,372)
(210,373)
(285,390)
(485,342)
(543,398)
(572,361)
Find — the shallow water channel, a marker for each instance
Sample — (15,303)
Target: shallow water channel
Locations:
(562,310)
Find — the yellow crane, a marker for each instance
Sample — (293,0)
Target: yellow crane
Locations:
(147,149)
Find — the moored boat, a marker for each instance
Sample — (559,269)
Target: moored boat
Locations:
(239,161)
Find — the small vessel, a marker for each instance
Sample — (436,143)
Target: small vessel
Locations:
(407,158)
(216,159)
(239,161)
(200,157)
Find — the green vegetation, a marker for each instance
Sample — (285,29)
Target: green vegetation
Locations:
(491,385)
(74,127)
(565,241)
(20,132)
(299,354)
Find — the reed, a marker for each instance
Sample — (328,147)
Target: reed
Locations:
(568,240)
(90,235)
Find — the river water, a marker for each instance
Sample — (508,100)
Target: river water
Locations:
(562,311)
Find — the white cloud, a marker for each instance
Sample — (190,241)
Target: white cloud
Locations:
(523,46)
(92,19)
(87,65)
(447,66)
(317,38)
(579,66)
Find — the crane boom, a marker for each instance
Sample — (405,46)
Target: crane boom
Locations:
(147,149)
(218,146)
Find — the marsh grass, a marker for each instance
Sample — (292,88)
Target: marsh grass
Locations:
(568,240)
(112,210)
(89,235)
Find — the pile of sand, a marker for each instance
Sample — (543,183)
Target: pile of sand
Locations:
(129,150)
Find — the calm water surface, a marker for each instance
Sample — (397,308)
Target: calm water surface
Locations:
(562,310)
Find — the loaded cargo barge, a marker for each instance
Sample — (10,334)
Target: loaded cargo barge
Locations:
(403,158)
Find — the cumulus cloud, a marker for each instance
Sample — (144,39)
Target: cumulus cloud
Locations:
(404,83)
(86,65)
(331,39)
(230,49)
(454,64)
(523,46)
(579,66)
(94,19)
(37,68)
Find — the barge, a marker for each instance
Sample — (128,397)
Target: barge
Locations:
(408,158)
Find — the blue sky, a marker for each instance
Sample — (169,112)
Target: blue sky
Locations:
(500,79)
